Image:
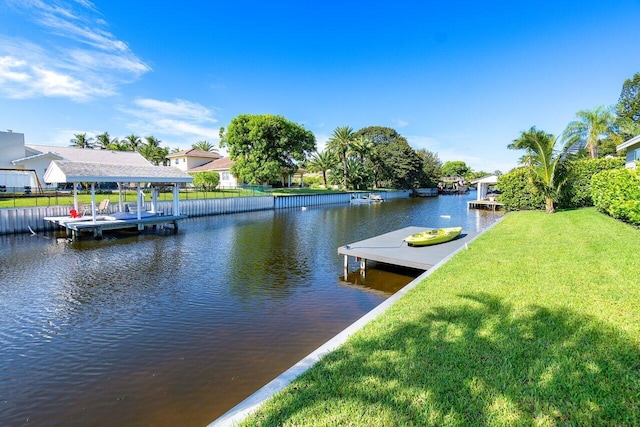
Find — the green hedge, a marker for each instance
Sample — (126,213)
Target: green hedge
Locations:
(517,192)
(617,193)
(577,190)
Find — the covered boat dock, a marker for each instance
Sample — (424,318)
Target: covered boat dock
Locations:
(136,217)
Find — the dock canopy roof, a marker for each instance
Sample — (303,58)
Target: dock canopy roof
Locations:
(68,171)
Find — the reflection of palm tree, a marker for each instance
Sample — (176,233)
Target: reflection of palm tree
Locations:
(204,146)
(549,170)
(340,144)
(590,127)
(321,162)
(80,140)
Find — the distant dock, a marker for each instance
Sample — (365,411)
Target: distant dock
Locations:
(390,248)
(484,204)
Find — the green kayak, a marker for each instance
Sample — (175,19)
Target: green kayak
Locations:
(432,237)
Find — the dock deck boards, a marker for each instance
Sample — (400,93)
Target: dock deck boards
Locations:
(86,223)
(391,249)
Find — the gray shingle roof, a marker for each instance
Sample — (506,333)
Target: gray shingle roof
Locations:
(67,171)
(90,155)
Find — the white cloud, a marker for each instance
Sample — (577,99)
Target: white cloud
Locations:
(82,61)
(400,123)
(179,122)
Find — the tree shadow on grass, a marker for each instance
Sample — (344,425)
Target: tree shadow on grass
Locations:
(484,362)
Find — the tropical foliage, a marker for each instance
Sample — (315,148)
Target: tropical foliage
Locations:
(264,147)
(590,129)
(341,144)
(518,192)
(80,140)
(455,168)
(207,180)
(204,146)
(322,162)
(548,169)
(577,191)
(616,192)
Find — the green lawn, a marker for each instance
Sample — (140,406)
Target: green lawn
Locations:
(537,323)
(129,196)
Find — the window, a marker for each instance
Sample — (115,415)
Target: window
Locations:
(636,154)
(176,161)
(224,176)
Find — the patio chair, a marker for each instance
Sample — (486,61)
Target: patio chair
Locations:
(103,207)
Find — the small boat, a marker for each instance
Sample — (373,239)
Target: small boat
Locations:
(433,237)
(366,198)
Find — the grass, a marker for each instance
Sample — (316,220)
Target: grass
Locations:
(537,323)
(21,201)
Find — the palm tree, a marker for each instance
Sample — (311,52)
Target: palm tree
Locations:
(80,140)
(133,141)
(322,162)
(104,141)
(548,169)
(590,128)
(204,146)
(340,144)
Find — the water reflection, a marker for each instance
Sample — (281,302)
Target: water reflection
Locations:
(175,329)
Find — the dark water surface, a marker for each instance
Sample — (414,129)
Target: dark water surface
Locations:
(163,329)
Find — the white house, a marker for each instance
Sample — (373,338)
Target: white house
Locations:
(223,167)
(186,160)
(633,151)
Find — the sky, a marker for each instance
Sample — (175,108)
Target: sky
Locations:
(459,78)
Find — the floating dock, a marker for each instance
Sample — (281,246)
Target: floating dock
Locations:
(75,226)
(484,204)
(390,248)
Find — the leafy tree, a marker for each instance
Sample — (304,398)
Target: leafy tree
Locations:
(431,167)
(340,144)
(548,170)
(208,180)
(322,162)
(389,157)
(628,106)
(590,128)
(132,141)
(204,146)
(518,192)
(80,140)
(263,147)
(577,191)
(455,168)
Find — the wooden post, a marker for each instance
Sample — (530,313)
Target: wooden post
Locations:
(346,266)
(363,266)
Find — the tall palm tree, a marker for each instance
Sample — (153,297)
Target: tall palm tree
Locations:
(80,140)
(104,141)
(340,144)
(591,127)
(204,145)
(322,162)
(548,168)
(133,141)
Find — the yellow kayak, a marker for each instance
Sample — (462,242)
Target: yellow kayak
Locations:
(432,237)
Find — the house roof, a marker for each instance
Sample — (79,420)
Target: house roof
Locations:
(194,152)
(67,171)
(84,155)
(633,141)
(491,179)
(222,164)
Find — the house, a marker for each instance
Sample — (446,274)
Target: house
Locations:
(223,167)
(633,151)
(186,160)
(24,165)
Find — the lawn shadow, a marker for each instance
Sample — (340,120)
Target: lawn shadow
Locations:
(481,362)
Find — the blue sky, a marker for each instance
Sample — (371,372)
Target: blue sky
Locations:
(459,78)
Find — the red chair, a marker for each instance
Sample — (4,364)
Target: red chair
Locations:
(74,213)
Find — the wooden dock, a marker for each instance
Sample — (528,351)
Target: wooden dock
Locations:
(75,226)
(390,248)
(484,204)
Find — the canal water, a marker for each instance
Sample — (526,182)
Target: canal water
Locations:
(163,329)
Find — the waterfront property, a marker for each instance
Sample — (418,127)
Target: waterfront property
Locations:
(93,331)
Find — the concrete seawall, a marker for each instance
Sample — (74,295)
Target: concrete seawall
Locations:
(19,220)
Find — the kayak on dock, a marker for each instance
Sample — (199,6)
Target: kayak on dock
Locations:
(432,237)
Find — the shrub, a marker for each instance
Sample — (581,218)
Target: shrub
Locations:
(616,192)
(517,191)
(577,190)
